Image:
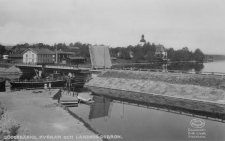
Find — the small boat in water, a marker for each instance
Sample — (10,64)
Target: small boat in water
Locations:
(2,83)
(38,83)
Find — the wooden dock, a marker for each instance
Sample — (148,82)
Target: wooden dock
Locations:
(69,99)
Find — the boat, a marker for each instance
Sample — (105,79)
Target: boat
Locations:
(2,83)
(38,83)
(88,100)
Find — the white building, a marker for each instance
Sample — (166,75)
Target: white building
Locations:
(36,55)
(161,52)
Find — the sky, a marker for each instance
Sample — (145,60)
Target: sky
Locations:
(116,23)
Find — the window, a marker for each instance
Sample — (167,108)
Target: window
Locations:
(32,60)
(32,55)
(26,55)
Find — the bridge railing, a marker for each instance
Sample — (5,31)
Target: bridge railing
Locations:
(69,66)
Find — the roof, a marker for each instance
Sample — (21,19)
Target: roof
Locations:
(63,52)
(7,51)
(160,48)
(19,50)
(16,55)
(76,57)
(39,51)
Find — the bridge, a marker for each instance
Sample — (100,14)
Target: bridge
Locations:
(88,69)
(55,67)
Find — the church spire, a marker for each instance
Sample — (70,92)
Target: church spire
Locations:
(142,41)
(142,38)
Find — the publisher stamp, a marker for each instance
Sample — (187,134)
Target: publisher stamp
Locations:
(197,131)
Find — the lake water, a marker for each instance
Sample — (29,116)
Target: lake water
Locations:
(218,66)
(130,121)
(110,116)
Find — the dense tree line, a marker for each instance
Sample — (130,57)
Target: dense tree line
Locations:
(185,55)
(146,53)
(137,53)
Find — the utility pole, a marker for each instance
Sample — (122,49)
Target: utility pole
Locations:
(56,55)
(104,57)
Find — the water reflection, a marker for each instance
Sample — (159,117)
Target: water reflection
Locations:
(2,89)
(135,120)
(100,108)
(186,66)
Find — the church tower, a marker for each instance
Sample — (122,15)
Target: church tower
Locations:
(142,41)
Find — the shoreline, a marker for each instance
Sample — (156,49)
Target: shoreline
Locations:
(81,120)
(38,115)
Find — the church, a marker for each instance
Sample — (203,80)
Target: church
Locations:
(142,41)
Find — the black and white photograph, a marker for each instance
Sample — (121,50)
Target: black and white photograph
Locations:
(112,70)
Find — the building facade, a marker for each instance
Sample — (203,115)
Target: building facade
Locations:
(161,52)
(36,55)
(62,56)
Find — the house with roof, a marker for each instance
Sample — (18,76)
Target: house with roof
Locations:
(62,56)
(14,54)
(113,59)
(18,50)
(38,56)
(7,53)
(77,60)
(16,57)
(161,52)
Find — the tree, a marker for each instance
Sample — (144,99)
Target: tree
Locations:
(2,49)
(198,55)
(150,56)
(124,53)
(139,55)
(171,54)
(71,45)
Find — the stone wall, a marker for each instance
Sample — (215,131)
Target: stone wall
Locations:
(174,78)
(151,85)
(193,105)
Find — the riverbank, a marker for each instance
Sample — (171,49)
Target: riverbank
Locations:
(34,114)
(178,88)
